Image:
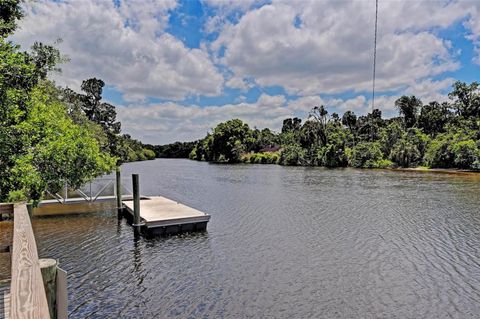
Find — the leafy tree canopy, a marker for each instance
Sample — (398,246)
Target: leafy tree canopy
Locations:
(429,134)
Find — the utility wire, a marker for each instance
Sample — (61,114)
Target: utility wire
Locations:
(374,55)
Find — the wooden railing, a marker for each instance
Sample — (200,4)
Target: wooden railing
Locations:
(27,293)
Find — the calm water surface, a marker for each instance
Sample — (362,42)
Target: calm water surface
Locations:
(283,242)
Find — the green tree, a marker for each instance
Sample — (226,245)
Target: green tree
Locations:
(99,112)
(439,153)
(390,135)
(57,151)
(263,139)
(319,115)
(405,154)
(46,59)
(293,155)
(433,118)
(40,146)
(408,107)
(291,124)
(452,148)
(419,139)
(466,99)
(367,155)
(10,13)
(466,153)
(230,140)
(309,136)
(20,72)
(349,119)
(369,126)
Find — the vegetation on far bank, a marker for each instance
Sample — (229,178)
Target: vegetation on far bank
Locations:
(435,135)
(51,136)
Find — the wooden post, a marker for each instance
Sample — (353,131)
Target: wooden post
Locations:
(119,190)
(136,200)
(49,275)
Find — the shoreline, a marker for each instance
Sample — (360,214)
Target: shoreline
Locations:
(437,170)
(420,169)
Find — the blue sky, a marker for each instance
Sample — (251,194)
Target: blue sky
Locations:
(177,68)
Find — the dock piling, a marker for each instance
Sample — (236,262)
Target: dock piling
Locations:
(136,200)
(48,268)
(119,190)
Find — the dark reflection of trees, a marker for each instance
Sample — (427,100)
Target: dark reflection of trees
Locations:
(137,257)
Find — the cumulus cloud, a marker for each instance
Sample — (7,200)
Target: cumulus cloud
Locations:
(168,122)
(126,45)
(312,47)
(473,24)
(224,9)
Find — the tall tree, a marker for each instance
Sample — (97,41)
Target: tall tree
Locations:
(409,107)
(10,13)
(101,113)
(369,125)
(349,119)
(466,99)
(310,137)
(97,111)
(433,118)
(291,124)
(57,151)
(230,140)
(319,114)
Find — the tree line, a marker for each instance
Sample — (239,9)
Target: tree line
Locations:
(437,135)
(52,136)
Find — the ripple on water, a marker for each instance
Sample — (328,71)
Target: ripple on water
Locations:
(282,243)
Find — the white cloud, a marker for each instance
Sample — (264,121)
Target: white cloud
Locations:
(169,122)
(126,46)
(237,83)
(331,51)
(473,24)
(224,8)
(429,90)
(306,103)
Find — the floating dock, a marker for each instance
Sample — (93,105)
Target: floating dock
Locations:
(163,216)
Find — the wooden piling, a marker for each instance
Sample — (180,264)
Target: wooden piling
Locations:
(119,189)
(136,200)
(48,268)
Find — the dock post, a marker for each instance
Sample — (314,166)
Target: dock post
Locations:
(136,200)
(48,268)
(119,190)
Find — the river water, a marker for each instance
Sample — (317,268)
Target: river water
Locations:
(283,242)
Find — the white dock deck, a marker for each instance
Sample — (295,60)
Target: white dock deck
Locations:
(163,212)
